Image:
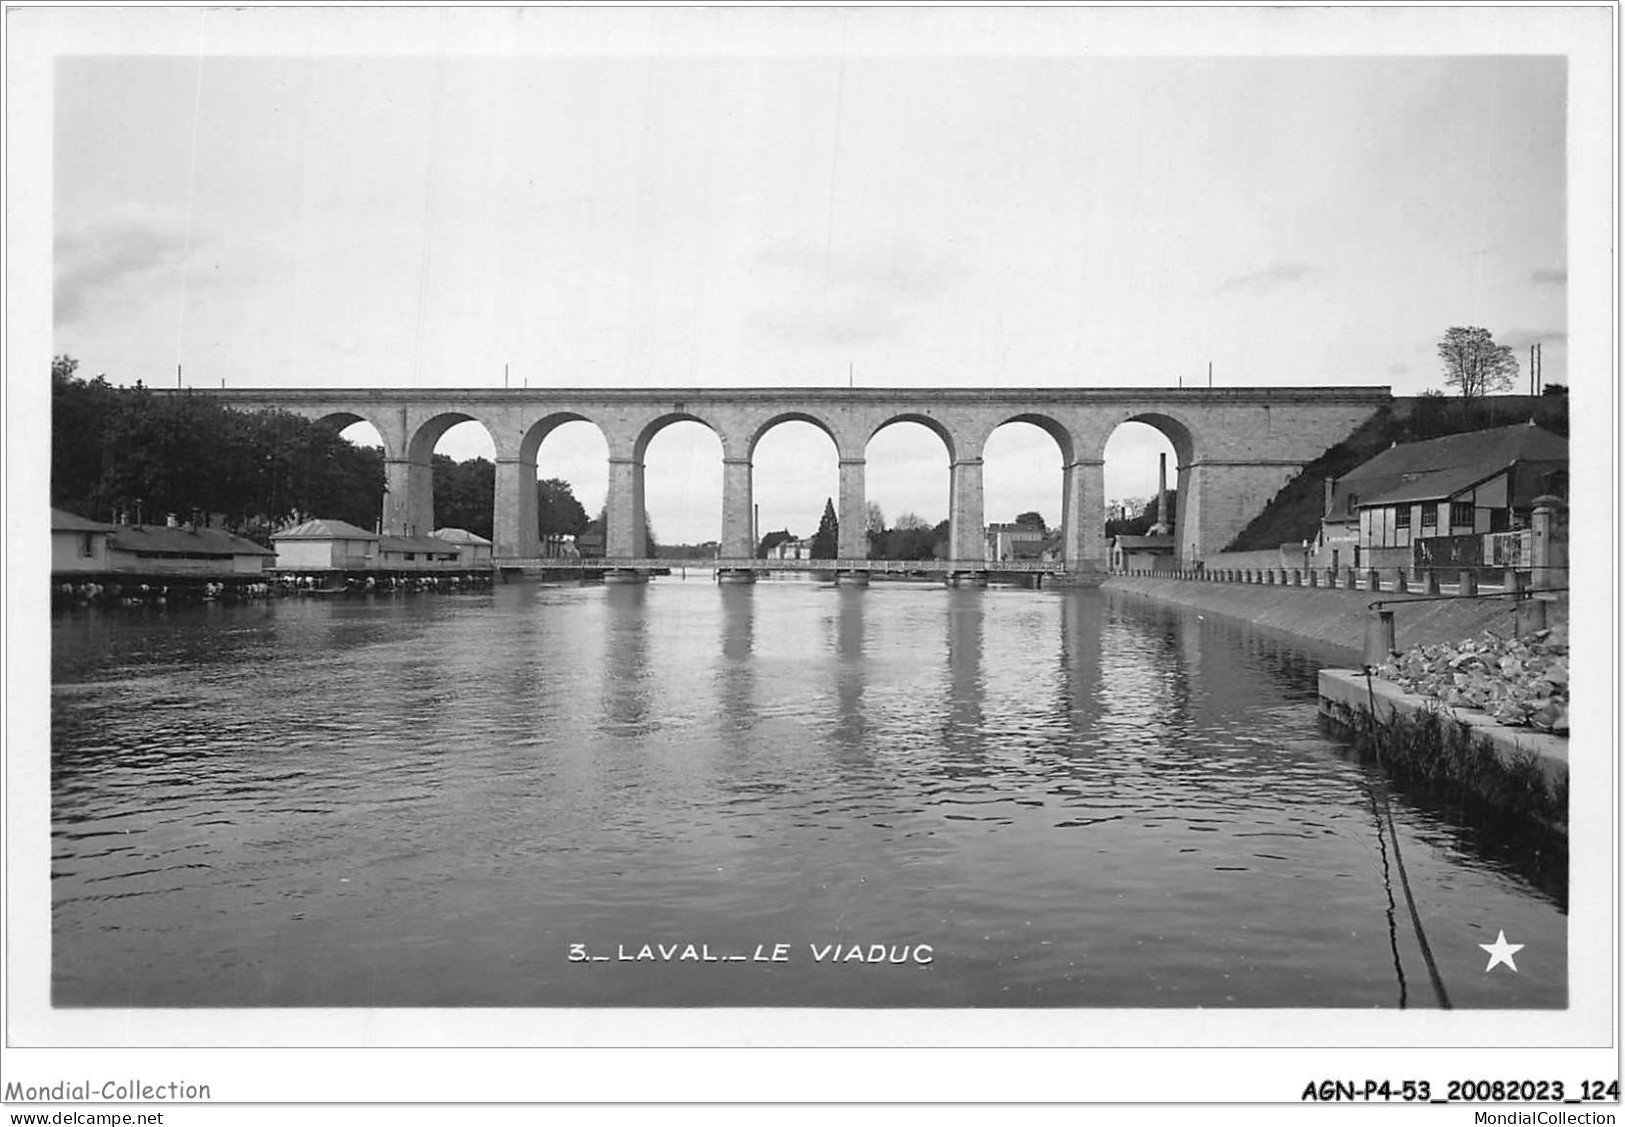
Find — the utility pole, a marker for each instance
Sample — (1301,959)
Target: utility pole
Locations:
(504,376)
(1210,375)
(177,375)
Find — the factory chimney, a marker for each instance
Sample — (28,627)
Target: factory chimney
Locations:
(1161,527)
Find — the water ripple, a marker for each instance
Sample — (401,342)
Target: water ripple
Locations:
(424,801)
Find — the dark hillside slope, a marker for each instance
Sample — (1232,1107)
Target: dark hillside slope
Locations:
(1294,513)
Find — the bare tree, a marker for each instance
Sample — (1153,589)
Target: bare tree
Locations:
(1474,363)
(874,520)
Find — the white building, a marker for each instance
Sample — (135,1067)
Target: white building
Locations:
(325,545)
(77,544)
(473,551)
(791,550)
(1014,542)
(416,553)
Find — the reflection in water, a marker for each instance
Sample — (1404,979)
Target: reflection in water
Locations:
(737,678)
(1075,799)
(1266,663)
(627,685)
(962,730)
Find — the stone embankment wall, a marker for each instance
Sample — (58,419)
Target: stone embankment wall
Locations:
(1263,558)
(1516,770)
(1334,616)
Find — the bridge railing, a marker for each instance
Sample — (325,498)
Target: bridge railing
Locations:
(885,567)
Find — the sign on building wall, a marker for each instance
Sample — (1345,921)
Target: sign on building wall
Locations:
(1510,549)
(1449,551)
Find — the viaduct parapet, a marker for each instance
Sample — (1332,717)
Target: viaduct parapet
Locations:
(1235,448)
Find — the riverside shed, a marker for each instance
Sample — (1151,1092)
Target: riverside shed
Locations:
(326,545)
(416,553)
(473,550)
(78,545)
(183,551)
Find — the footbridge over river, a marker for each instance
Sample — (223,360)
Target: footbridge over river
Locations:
(1235,447)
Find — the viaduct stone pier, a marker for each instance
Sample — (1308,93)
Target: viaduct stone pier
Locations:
(1235,447)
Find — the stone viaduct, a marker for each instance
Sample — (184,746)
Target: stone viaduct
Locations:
(1235,447)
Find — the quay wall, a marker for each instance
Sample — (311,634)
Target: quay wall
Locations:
(1258,558)
(1514,771)
(1347,698)
(1333,616)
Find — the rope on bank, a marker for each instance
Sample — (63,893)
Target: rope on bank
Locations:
(1388,888)
(1399,859)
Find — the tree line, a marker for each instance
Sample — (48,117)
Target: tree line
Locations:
(465,497)
(124,452)
(127,454)
(911,538)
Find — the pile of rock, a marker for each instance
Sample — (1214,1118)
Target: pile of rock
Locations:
(1517,681)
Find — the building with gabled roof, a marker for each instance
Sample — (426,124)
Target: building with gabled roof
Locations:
(1142,553)
(1013,542)
(77,544)
(325,545)
(1462,485)
(183,550)
(416,553)
(473,550)
(791,548)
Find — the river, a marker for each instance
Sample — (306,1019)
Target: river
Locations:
(686,794)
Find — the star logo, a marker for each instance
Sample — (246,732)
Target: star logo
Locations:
(1501,952)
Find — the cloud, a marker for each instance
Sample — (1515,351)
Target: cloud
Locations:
(855,324)
(1519,340)
(854,297)
(1267,280)
(1548,277)
(109,253)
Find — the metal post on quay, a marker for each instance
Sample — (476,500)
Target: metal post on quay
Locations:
(1379,637)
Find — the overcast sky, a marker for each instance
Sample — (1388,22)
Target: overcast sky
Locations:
(740,220)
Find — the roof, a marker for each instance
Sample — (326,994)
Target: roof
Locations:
(1145,543)
(148,539)
(1032,530)
(413,544)
(459,536)
(64,521)
(1442,467)
(1542,478)
(324,530)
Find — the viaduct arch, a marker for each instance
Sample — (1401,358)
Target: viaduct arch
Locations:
(1234,447)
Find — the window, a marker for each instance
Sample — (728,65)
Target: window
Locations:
(1354,502)
(1498,520)
(1402,517)
(1430,516)
(87,546)
(1461,514)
